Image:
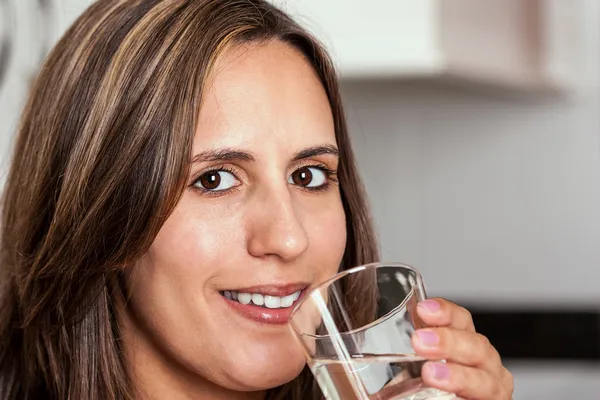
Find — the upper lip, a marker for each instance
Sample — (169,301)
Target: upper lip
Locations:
(274,290)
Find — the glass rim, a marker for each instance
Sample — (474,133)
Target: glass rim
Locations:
(343,274)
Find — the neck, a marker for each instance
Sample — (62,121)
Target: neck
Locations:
(154,375)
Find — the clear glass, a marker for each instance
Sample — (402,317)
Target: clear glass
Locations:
(356,332)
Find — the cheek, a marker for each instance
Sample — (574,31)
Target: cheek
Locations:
(174,276)
(168,280)
(327,233)
(169,284)
(198,235)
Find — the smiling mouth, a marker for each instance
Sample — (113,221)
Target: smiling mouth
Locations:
(262,300)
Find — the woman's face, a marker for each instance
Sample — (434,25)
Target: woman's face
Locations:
(261,220)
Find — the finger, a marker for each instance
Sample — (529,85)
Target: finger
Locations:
(508,381)
(464,381)
(462,347)
(441,312)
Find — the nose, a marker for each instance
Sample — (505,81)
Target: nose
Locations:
(274,228)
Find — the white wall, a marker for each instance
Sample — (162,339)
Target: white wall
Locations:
(489,197)
(493,197)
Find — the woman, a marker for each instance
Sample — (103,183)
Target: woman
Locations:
(182,171)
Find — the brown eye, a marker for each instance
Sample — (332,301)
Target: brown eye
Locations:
(216,181)
(310,177)
(210,180)
(302,177)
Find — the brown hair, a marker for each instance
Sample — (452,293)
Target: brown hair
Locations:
(100,161)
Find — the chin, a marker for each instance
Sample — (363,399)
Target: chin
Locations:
(266,375)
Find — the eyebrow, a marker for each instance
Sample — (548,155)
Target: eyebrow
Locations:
(228,155)
(222,155)
(316,151)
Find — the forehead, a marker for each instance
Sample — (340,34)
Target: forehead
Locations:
(264,95)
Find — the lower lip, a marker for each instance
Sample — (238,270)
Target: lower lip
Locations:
(273,316)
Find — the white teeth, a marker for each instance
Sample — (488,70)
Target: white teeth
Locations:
(272,302)
(287,301)
(244,298)
(262,300)
(258,299)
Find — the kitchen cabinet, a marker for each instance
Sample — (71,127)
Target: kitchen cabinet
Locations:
(515,44)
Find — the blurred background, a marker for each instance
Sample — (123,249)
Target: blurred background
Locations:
(476,125)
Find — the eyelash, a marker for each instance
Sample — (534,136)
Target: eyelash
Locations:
(329,173)
(331,177)
(213,193)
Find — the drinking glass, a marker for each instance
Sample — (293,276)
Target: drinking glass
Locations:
(356,330)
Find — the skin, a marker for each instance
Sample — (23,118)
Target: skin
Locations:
(181,339)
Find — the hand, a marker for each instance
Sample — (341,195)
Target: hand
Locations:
(473,368)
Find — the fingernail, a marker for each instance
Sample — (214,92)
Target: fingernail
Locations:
(440,371)
(428,338)
(431,306)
